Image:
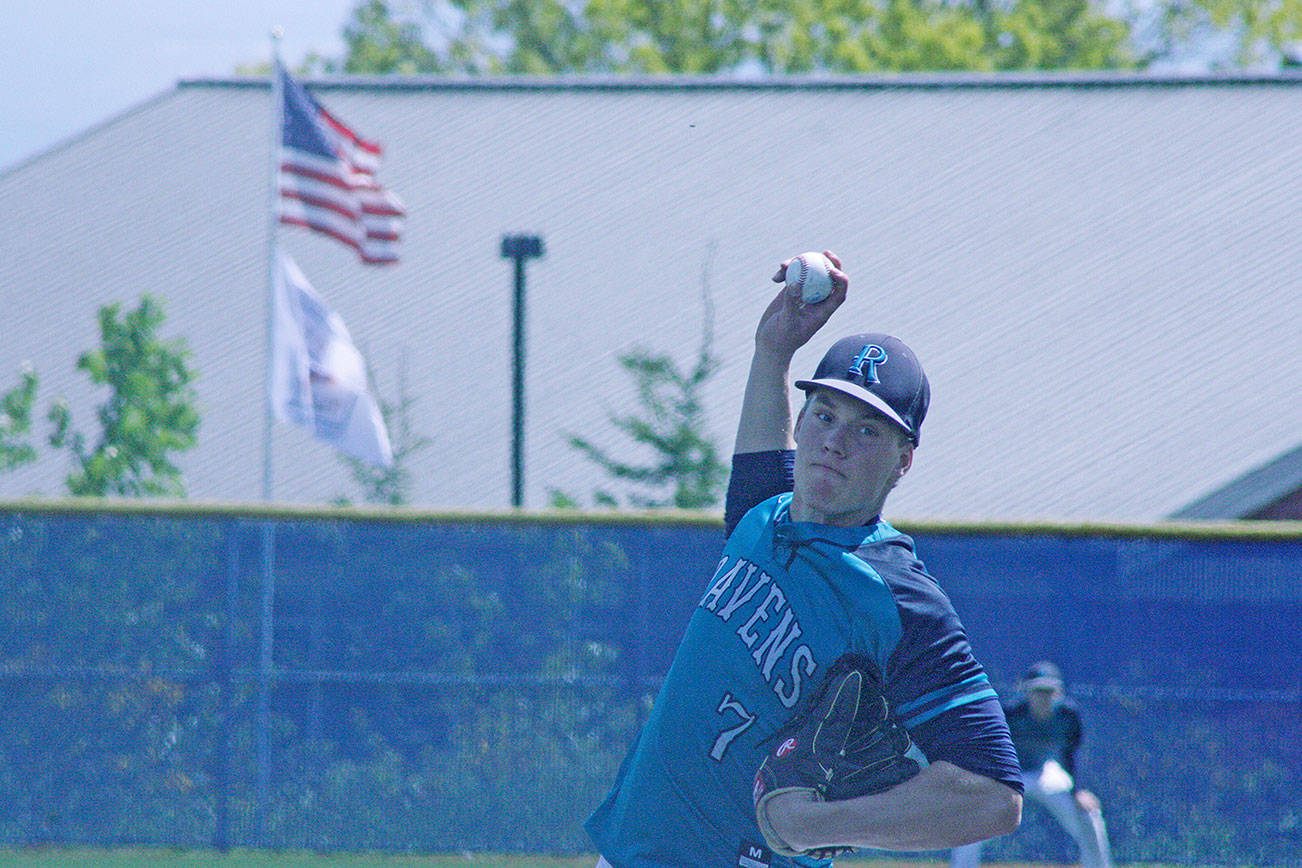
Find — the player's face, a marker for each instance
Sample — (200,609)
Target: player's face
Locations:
(1042,701)
(848,457)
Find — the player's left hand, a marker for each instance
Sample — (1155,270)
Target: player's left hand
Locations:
(843,744)
(1087,802)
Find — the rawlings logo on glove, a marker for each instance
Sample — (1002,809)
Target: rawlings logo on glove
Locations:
(844,743)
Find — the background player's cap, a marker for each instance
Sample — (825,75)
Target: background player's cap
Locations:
(1042,676)
(880,370)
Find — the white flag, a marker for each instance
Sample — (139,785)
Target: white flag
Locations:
(318,378)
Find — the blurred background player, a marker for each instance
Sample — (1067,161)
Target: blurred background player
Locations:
(1046,730)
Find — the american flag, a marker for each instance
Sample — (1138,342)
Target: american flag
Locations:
(327,178)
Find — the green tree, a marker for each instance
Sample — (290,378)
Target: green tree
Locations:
(685,471)
(1222,34)
(545,37)
(1059,34)
(379,42)
(149,414)
(541,37)
(16,421)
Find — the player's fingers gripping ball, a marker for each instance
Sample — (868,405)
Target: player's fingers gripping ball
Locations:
(809,277)
(843,743)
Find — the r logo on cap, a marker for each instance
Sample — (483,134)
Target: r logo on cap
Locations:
(872,356)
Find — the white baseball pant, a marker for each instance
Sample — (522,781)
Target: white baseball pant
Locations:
(1051,788)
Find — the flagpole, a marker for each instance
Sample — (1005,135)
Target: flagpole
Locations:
(273,250)
(266,639)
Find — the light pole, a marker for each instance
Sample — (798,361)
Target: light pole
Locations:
(519,248)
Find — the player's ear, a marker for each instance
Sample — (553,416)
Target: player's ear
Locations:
(906,459)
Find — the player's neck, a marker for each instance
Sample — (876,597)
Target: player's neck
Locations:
(863,515)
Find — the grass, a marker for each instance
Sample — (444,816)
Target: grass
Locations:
(127,858)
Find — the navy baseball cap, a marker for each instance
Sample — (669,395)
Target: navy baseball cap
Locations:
(881,371)
(1042,675)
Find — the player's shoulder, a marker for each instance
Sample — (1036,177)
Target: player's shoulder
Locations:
(753,533)
(1068,708)
(892,556)
(1016,709)
(892,553)
(761,517)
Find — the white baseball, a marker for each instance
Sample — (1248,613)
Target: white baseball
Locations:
(810,274)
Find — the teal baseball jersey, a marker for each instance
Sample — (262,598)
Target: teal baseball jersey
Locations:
(786,599)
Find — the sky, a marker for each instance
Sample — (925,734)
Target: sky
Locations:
(68,65)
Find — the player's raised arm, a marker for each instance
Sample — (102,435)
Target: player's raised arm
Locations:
(786,325)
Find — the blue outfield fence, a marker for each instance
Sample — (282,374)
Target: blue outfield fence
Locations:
(193,676)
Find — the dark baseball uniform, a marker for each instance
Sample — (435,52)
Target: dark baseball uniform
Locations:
(1055,739)
(1046,751)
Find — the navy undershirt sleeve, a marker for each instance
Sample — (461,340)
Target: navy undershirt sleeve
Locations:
(756,476)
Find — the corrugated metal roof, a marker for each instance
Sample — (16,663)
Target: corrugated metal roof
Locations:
(1097,271)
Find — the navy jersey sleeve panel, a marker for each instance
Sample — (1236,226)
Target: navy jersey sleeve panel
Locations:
(933,680)
(756,476)
(973,737)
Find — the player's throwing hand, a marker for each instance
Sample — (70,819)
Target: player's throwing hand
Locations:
(788,323)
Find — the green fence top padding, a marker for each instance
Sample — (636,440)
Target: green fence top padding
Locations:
(89,506)
(1242,529)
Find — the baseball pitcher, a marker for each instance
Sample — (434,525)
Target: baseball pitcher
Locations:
(824,696)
